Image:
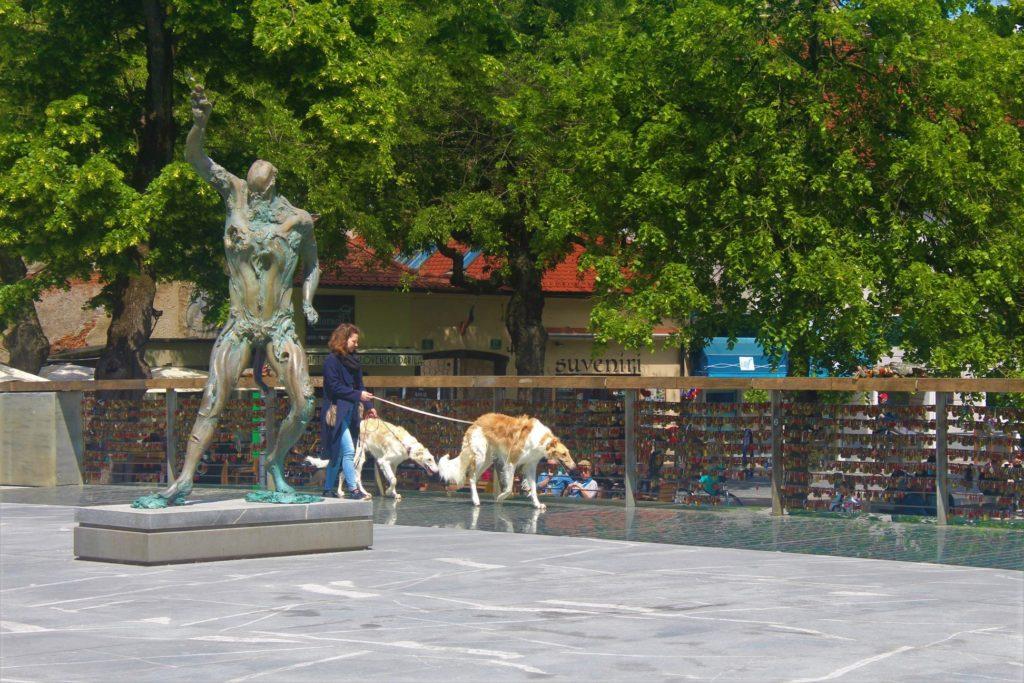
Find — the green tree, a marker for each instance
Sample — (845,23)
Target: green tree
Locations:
(91,177)
(86,179)
(842,177)
(412,124)
(25,341)
(483,148)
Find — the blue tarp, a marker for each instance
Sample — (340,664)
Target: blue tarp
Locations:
(746,359)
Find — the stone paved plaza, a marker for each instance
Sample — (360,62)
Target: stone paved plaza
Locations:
(437,600)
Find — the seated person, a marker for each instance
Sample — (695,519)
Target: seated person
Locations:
(852,501)
(842,492)
(710,483)
(585,486)
(553,479)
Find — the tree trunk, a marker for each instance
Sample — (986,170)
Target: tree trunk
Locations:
(131,324)
(156,147)
(132,310)
(523,319)
(25,341)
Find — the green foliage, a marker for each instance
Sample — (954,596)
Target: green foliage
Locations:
(290,81)
(844,178)
(484,149)
(72,88)
(840,177)
(755,396)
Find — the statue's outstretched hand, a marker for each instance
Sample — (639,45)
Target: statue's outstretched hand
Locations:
(311,315)
(201,106)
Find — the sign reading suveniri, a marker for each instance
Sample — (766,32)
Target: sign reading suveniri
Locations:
(597,366)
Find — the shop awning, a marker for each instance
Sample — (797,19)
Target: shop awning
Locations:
(745,359)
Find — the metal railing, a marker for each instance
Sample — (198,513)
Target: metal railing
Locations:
(806,444)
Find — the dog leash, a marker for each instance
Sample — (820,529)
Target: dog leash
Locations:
(421,412)
(385,425)
(408,448)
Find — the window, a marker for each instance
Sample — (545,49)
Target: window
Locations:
(334,309)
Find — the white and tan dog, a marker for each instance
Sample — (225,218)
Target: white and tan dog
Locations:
(390,446)
(510,443)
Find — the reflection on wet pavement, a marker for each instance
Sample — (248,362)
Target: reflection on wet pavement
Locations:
(743,528)
(749,529)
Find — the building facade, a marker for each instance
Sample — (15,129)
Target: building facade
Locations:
(414,322)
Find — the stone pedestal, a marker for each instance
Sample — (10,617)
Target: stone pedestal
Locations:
(221,530)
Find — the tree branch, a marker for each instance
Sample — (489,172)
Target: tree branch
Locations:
(492,285)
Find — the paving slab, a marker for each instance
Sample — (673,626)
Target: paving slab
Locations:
(452,604)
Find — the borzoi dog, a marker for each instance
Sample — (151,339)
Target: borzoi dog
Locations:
(510,443)
(390,446)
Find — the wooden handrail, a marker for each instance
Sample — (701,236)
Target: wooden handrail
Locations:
(895,384)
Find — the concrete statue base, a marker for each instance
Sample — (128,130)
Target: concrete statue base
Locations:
(222,530)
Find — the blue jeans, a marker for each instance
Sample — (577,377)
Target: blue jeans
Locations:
(342,460)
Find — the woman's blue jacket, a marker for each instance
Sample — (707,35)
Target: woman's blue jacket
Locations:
(342,387)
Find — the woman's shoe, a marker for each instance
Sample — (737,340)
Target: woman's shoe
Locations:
(330,494)
(356,494)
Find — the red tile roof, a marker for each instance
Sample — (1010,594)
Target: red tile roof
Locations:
(436,265)
(361,269)
(566,276)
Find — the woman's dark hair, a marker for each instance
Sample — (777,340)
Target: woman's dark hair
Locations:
(339,338)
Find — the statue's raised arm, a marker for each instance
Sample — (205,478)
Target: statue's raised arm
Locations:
(207,168)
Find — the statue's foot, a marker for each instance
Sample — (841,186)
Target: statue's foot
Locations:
(280,485)
(153,501)
(156,501)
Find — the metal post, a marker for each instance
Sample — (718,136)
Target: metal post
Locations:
(630,397)
(777,473)
(941,458)
(498,399)
(170,433)
(269,432)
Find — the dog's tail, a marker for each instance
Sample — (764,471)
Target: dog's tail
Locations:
(319,463)
(454,471)
(451,470)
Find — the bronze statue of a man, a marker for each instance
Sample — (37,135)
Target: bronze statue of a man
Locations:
(264,238)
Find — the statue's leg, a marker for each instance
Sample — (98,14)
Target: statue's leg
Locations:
(229,357)
(290,366)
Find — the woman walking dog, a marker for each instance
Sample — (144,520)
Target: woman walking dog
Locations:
(339,417)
